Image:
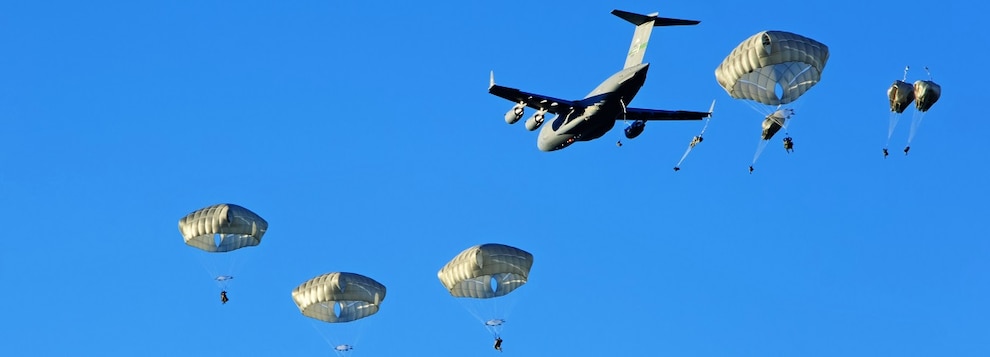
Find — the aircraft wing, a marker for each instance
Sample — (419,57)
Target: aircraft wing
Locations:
(655,114)
(532,100)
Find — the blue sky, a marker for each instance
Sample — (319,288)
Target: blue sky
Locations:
(363,133)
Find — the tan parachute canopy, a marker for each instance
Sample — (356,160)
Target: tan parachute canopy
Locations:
(766,60)
(901,94)
(471,273)
(926,93)
(354,296)
(236,226)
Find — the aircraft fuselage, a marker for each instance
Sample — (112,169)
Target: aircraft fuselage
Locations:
(597,112)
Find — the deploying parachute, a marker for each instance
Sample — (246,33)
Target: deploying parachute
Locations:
(339,298)
(923,93)
(487,272)
(222,228)
(900,94)
(926,94)
(697,139)
(770,70)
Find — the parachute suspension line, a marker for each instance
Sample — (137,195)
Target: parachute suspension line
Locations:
(894,118)
(361,329)
(336,341)
(491,313)
(760,108)
(210,269)
(323,335)
(694,141)
(918,117)
(681,161)
(915,124)
(224,265)
(787,123)
(791,110)
(237,260)
(707,121)
(783,121)
(475,309)
(759,150)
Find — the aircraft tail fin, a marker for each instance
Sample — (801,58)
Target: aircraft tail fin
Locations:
(644,28)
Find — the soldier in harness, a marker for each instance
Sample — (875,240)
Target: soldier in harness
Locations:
(696,140)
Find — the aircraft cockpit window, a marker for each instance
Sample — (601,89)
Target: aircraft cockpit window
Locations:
(558,121)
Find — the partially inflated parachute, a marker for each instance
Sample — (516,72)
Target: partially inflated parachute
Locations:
(222,228)
(770,70)
(901,94)
(339,297)
(926,93)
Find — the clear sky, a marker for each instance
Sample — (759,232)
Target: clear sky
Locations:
(363,133)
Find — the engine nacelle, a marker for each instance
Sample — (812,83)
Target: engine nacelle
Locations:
(536,120)
(514,114)
(635,129)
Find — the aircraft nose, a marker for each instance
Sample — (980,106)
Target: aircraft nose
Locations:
(545,145)
(555,142)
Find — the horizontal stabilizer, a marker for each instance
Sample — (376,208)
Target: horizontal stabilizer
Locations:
(637,19)
(644,27)
(666,21)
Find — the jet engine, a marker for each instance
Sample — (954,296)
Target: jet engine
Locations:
(514,114)
(635,129)
(536,120)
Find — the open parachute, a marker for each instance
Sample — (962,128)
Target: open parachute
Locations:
(485,273)
(340,298)
(770,70)
(220,230)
